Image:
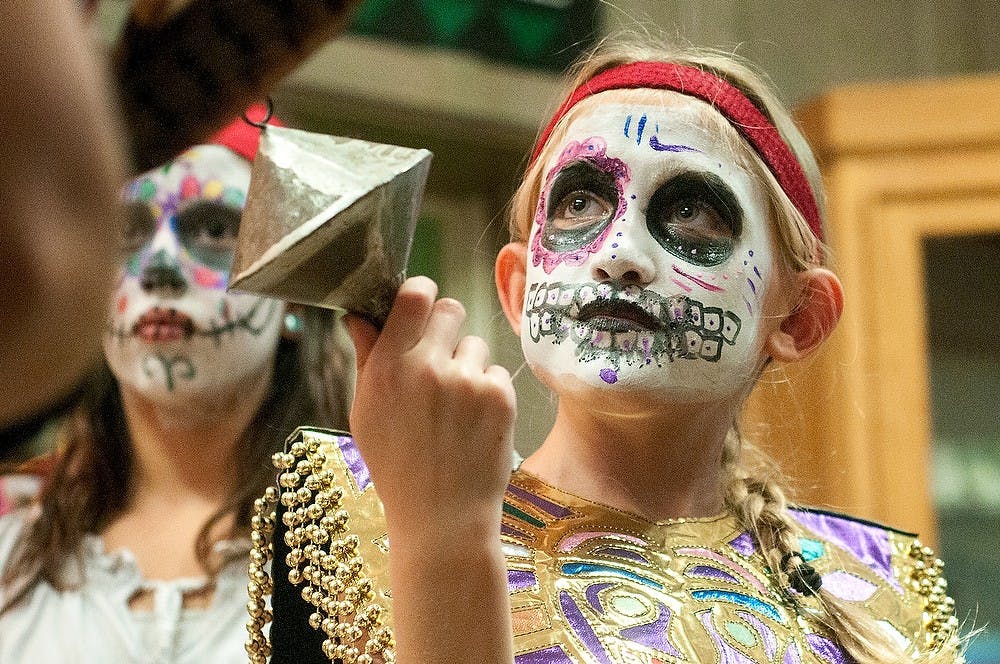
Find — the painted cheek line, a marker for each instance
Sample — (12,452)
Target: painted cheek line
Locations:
(752,284)
(704,284)
(684,286)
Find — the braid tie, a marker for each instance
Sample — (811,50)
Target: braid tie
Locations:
(801,576)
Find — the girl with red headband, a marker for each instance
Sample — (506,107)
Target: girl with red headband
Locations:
(666,248)
(130,544)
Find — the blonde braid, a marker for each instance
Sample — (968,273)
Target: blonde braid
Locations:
(762,508)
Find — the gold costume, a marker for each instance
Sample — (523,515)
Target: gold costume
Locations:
(593,585)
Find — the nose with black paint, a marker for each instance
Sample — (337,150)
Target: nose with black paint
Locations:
(163,275)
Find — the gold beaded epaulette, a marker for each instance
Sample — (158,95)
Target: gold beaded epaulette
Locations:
(925,578)
(332,566)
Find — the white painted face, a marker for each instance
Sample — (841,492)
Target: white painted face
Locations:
(174,332)
(649,255)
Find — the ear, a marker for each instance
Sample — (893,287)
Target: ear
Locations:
(821,301)
(511,275)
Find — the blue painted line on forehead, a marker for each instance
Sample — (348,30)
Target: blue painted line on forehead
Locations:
(639,130)
(654,143)
(628,123)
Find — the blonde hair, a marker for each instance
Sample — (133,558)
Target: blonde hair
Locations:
(751,491)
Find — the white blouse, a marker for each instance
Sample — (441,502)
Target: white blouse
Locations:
(94,624)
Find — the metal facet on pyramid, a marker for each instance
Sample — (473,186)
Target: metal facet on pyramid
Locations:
(329,221)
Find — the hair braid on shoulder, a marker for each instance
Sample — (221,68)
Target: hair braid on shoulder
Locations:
(762,508)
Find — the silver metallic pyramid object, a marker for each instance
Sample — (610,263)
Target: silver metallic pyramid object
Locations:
(329,221)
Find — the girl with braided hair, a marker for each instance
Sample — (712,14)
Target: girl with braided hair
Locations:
(666,248)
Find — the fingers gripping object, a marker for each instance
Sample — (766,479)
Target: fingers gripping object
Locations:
(323,561)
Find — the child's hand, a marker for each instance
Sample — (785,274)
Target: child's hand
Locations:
(432,419)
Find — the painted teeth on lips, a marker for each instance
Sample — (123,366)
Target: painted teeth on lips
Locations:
(617,315)
(163,325)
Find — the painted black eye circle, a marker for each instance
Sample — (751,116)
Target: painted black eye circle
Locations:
(696,217)
(140,226)
(699,221)
(208,230)
(580,209)
(581,202)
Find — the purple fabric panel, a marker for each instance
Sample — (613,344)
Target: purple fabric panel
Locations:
(766,635)
(828,650)
(869,544)
(709,572)
(515,533)
(583,630)
(547,506)
(352,456)
(622,553)
(520,580)
(743,544)
(654,634)
(847,586)
(727,653)
(792,655)
(553,655)
(592,596)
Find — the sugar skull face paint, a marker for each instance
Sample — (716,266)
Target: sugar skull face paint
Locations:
(650,252)
(173,328)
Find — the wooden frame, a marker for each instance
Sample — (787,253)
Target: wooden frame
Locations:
(901,164)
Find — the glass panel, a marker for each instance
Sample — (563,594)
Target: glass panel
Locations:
(963,289)
(546,34)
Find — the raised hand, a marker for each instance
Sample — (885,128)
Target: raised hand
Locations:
(432,418)
(433,421)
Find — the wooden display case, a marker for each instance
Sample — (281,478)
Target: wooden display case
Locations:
(902,163)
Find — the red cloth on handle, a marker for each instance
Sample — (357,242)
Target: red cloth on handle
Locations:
(242,137)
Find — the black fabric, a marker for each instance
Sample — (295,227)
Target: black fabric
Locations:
(16,435)
(184,75)
(293,641)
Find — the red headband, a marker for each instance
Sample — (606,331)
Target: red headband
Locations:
(726,99)
(242,137)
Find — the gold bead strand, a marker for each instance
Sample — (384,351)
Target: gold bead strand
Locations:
(260,585)
(926,579)
(323,560)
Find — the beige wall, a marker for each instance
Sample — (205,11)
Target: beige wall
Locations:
(809,45)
